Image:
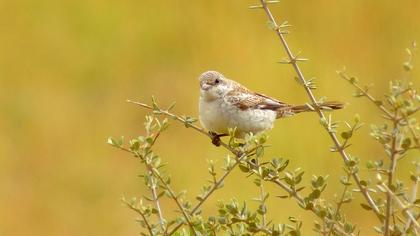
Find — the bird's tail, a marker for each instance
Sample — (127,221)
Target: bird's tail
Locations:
(323,106)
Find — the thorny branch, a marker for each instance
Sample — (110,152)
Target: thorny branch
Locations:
(156,200)
(392,167)
(167,187)
(240,156)
(395,149)
(178,203)
(339,204)
(149,228)
(413,195)
(404,208)
(293,61)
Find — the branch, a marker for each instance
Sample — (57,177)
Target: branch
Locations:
(365,93)
(156,200)
(149,228)
(210,192)
(404,208)
(263,206)
(394,158)
(238,154)
(297,197)
(311,96)
(413,132)
(339,204)
(413,195)
(175,198)
(167,187)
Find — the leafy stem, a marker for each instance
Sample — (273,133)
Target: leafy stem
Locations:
(157,203)
(176,199)
(143,216)
(311,96)
(240,157)
(339,204)
(214,187)
(404,208)
(391,170)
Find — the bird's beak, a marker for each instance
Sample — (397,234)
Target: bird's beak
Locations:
(205,86)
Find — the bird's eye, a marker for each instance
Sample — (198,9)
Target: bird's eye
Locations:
(217,81)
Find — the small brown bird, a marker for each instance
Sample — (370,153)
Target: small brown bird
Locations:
(227,104)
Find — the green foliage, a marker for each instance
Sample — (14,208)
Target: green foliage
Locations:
(383,194)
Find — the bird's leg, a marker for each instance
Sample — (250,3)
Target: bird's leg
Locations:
(215,138)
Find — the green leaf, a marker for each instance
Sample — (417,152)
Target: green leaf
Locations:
(378,103)
(414,178)
(407,66)
(315,194)
(353,80)
(406,143)
(112,141)
(348,228)
(134,145)
(346,134)
(260,151)
(318,182)
(244,168)
(366,207)
(293,219)
(370,165)
(356,118)
(149,140)
(285,164)
(364,183)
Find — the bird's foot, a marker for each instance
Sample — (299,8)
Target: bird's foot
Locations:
(215,138)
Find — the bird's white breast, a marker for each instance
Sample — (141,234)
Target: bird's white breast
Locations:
(218,115)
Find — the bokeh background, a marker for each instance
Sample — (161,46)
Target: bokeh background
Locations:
(67,67)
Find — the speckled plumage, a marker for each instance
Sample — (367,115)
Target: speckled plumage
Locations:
(226,104)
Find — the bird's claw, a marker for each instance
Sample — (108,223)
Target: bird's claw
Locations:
(215,138)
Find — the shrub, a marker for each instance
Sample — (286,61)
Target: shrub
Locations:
(393,202)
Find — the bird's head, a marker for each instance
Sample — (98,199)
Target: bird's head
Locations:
(214,85)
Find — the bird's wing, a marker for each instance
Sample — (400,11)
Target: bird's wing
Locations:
(245,99)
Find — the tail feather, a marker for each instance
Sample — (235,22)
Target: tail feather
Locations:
(323,106)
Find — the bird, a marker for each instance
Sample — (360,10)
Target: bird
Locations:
(225,104)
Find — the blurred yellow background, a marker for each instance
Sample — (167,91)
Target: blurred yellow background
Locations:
(67,67)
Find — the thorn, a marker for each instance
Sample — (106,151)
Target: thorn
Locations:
(285,24)
(285,61)
(301,59)
(283,31)
(256,7)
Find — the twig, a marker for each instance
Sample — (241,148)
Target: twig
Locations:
(391,172)
(169,114)
(262,196)
(149,228)
(416,137)
(413,196)
(262,199)
(240,156)
(405,209)
(170,191)
(324,228)
(368,95)
(156,200)
(175,198)
(339,204)
(210,192)
(301,200)
(153,184)
(311,96)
